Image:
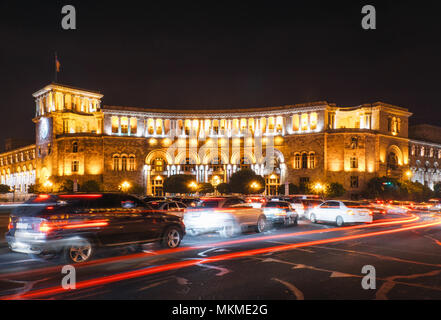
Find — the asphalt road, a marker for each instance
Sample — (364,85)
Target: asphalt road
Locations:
(309,261)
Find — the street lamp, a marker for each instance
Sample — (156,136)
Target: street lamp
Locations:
(124,186)
(193,186)
(409,174)
(319,188)
(255,186)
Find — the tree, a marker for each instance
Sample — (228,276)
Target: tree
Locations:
(66,186)
(241,182)
(90,186)
(205,188)
(223,188)
(292,189)
(383,188)
(178,183)
(335,190)
(4,188)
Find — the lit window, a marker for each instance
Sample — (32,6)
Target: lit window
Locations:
(311,160)
(295,122)
(133,125)
(354,163)
(124,163)
(297,161)
(313,120)
(304,160)
(115,124)
(132,163)
(124,125)
(115,163)
(75,166)
(304,121)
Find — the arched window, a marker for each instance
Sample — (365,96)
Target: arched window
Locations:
(304,160)
(132,163)
(392,161)
(297,161)
(75,147)
(115,162)
(311,160)
(123,163)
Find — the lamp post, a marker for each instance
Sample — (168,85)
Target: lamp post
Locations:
(319,188)
(193,186)
(124,186)
(255,186)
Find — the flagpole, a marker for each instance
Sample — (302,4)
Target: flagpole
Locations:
(55,64)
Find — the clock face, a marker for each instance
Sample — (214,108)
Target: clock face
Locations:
(44,128)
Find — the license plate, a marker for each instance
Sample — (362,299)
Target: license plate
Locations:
(22,225)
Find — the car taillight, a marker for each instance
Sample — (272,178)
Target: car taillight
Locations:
(44,227)
(350,212)
(371,213)
(10,225)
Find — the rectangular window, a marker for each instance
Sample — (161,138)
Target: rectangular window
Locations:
(124,125)
(313,120)
(304,121)
(75,166)
(304,180)
(115,124)
(354,163)
(354,181)
(133,126)
(295,122)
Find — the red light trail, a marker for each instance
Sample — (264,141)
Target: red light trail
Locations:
(183,264)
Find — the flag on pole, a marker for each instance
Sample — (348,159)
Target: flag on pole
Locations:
(57,63)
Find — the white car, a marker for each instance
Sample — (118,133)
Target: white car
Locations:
(224,215)
(341,212)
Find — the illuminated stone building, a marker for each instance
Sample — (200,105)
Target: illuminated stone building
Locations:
(80,139)
(425,154)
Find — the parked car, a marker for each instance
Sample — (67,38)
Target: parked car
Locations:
(280,212)
(172,207)
(224,215)
(341,212)
(75,225)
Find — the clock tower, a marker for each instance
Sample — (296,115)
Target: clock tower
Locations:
(62,112)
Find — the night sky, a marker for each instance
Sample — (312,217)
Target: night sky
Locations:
(217,53)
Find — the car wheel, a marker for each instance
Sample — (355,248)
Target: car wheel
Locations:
(79,251)
(261,224)
(312,218)
(172,237)
(339,221)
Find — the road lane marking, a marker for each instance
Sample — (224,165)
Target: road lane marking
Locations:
(187,263)
(298,294)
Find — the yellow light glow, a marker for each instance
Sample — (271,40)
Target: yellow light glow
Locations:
(408,174)
(152,141)
(255,185)
(124,186)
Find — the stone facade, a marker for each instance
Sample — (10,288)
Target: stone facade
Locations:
(80,140)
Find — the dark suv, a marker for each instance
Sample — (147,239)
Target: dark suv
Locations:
(74,225)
